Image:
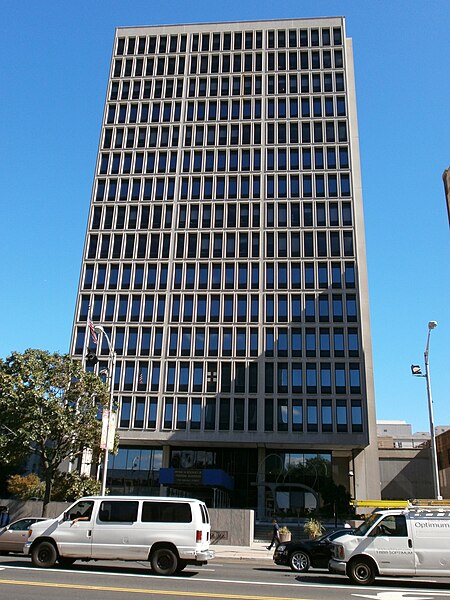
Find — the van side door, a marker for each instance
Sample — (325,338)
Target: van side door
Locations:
(74,534)
(392,546)
(116,530)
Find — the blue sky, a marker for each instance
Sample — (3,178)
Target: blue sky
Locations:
(53,79)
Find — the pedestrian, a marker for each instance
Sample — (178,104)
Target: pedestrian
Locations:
(275,534)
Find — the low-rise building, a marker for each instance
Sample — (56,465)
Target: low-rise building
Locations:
(405,460)
(443,455)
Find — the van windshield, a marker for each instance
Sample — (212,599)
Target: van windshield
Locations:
(368,523)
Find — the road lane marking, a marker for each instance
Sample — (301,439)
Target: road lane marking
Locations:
(296,583)
(394,596)
(99,588)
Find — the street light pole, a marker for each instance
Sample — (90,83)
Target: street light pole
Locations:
(111,371)
(417,372)
(437,489)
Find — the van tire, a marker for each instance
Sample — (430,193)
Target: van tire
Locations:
(182,564)
(164,561)
(44,555)
(361,571)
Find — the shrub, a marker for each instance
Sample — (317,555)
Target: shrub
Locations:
(25,487)
(313,528)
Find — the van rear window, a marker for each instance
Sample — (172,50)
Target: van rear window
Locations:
(120,511)
(205,515)
(166,512)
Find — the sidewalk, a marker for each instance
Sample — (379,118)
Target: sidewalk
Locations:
(257,550)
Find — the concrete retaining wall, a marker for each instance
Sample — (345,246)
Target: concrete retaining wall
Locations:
(19,509)
(232,526)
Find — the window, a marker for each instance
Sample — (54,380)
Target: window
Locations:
(166,512)
(268,414)
(341,416)
(296,378)
(196,413)
(224,414)
(327,416)
(325,378)
(282,414)
(340,378)
(118,511)
(311,378)
(312,418)
(210,414)
(356,414)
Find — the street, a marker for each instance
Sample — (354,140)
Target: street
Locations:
(224,579)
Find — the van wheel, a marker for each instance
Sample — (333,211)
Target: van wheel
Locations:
(299,561)
(164,561)
(66,562)
(182,564)
(44,555)
(361,571)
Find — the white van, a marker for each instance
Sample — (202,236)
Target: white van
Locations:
(168,532)
(411,542)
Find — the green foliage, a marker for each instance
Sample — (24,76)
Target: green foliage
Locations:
(25,487)
(68,487)
(313,528)
(48,406)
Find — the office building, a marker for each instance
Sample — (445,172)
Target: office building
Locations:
(225,259)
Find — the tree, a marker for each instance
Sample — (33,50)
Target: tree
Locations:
(48,406)
(71,486)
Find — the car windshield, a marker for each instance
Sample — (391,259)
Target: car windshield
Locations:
(368,523)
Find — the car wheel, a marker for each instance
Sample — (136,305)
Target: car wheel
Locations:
(164,561)
(66,562)
(299,561)
(361,571)
(44,555)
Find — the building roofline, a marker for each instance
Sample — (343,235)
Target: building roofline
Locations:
(249,21)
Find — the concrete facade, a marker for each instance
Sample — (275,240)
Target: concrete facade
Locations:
(225,259)
(405,473)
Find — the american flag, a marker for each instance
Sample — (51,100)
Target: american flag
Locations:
(92,330)
(141,378)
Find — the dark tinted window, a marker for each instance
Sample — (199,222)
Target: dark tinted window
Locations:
(120,511)
(166,512)
(205,515)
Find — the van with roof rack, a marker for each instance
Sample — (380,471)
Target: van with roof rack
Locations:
(411,541)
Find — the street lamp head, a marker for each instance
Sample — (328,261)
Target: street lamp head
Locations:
(432,325)
(416,370)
